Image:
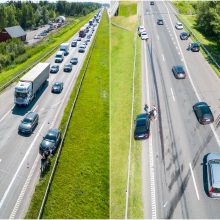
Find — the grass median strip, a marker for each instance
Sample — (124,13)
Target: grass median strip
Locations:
(37,51)
(80,187)
(122,61)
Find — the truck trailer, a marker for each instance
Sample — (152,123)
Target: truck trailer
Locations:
(65,48)
(31,83)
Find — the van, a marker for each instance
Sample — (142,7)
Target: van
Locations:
(59,57)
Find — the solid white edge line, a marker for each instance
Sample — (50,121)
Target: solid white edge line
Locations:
(189,76)
(172,94)
(19,167)
(194,181)
(151,159)
(131,129)
(163,57)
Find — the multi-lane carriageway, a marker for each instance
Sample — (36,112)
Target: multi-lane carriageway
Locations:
(19,155)
(173,173)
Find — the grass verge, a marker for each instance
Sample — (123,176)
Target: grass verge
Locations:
(122,60)
(80,187)
(39,50)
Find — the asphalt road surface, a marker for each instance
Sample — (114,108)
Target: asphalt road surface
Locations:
(19,157)
(173,173)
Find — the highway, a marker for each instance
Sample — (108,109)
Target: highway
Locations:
(174,181)
(19,157)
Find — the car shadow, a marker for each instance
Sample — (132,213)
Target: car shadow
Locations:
(205,178)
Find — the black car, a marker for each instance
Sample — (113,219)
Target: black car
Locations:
(74,60)
(51,141)
(194,47)
(160,21)
(28,124)
(179,72)
(142,127)
(151,2)
(54,68)
(67,67)
(57,87)
(203,113)
(184,36)
(74,43)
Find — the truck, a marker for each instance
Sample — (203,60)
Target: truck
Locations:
(65,48)
(29,85)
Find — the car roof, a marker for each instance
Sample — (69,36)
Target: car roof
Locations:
(60,52)
(178,23)
(54,65)
(31,115)
(179,68)
(215,170)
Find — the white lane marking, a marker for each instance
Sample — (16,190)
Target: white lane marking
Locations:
(174,42)
(35,108)
(158,37)
(0,160)
(131,129)
(20,198)
(194,181)
(189,75)
(165,204)
(163,57)
(5,115)
(19,167)
(172,94)
(151,159)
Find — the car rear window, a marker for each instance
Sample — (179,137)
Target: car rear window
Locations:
(205,110)
(216,190)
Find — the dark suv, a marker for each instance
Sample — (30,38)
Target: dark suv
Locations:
(28,123)
(160,21)
(179,72)
(195,47)
(142,127)
(51,141)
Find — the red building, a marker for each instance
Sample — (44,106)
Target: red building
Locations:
(12,32)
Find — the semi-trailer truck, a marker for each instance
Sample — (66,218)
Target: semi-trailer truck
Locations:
(65,48)
(31,83)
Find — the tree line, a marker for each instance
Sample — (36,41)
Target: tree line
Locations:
(29,14)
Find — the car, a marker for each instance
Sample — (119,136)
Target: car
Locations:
(36,36)
(194,47)
(79,39)
(203,113)
(81,49)
(67,67)
(74,43)
(160,21)
(74,60)
(178,25)
(59,57)
(151,2)
(179,72)
(85,41)
(144,35)
(29,122)
(142,127)
(57,87)
(51,141)
(184,36)
(83,44)
(54,68)
(213,175)
(140,30)
(43,34)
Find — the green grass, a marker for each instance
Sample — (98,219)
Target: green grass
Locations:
(127,8)
(210,44)
(80,187)
(122,58)
(185,7)
(37,51)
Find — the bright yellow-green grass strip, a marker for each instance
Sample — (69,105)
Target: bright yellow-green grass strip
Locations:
(80,188)
(127,8)
(85,156)
(122,61)
(39,50)
(210,44)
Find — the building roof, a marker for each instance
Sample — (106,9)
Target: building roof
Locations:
(15,31)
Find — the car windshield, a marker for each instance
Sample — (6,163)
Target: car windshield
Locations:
(50,137)
(179,69)
(67,65)
(59,55)
(26,120)
(216,190)
(54,67)
(57,84)
(20,95)
(141,122)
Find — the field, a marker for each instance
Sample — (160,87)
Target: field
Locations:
(37,51)
(80,187)
(122,62)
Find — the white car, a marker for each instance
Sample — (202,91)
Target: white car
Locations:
(140,30)
(144,35)
(179,26)
(37,36)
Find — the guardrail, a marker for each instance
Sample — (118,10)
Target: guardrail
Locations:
(203,47)
(64,133)
(24,71)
